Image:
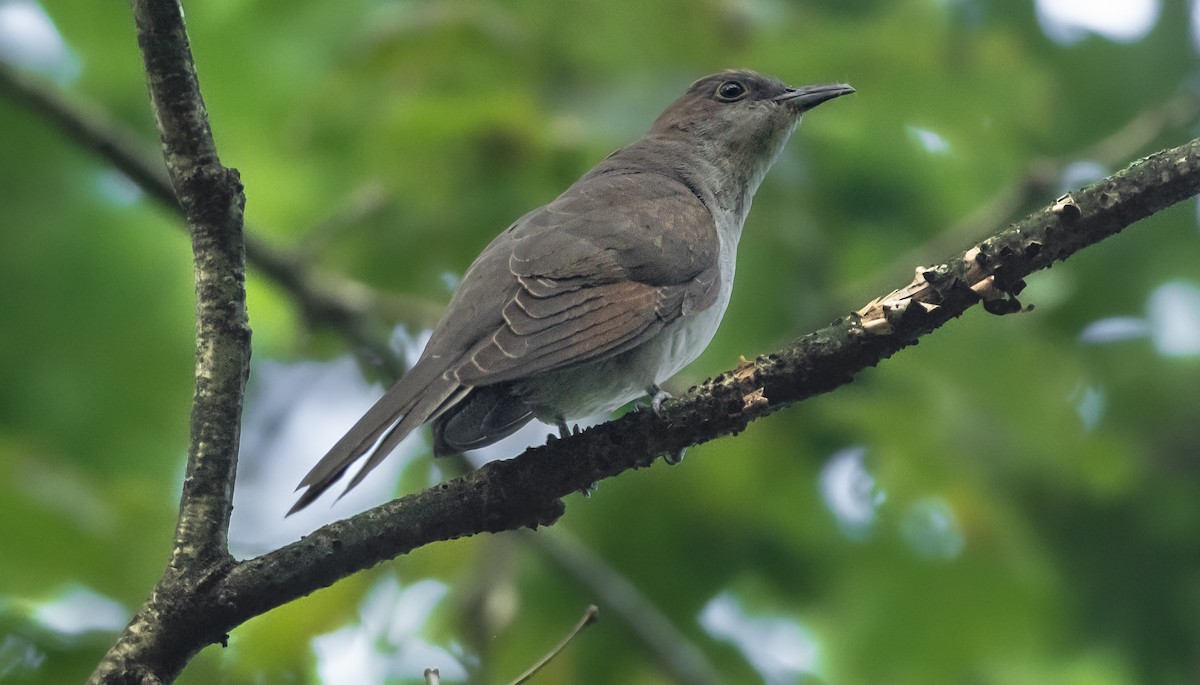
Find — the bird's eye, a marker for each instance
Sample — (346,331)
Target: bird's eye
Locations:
(731,91)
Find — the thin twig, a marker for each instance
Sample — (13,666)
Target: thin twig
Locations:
(678,656)
(92,129)
(590,615)
(362,203)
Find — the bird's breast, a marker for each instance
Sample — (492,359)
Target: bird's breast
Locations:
(604,385)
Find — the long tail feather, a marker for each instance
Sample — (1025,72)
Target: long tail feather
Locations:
(411,402)
(433,403)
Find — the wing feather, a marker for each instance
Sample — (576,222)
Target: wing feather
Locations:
(597,272)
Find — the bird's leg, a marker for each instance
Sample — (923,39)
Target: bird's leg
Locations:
(564,431)
(657,397)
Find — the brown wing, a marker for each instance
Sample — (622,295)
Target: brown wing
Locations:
(598,271)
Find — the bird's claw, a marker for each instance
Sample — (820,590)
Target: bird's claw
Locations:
(657,397)
(564,431)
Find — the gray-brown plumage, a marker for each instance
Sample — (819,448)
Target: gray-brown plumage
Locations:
(589,302)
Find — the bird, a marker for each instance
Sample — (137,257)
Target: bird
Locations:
(595,299)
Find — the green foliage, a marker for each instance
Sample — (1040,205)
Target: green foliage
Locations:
(1033,515)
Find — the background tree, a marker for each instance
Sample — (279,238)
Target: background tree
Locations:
(1012,501)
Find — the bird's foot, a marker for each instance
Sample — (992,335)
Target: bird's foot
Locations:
(564,431)
(657,397)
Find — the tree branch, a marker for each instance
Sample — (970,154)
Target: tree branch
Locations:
(153,648)
(212,200)
(526,491)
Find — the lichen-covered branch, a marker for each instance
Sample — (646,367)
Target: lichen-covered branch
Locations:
(526,491)
(212,201)
(170,627)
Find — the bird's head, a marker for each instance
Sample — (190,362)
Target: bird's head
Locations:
(741,116)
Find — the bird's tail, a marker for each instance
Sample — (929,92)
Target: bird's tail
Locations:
(417,397)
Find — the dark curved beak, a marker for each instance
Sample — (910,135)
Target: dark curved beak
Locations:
(807,97)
